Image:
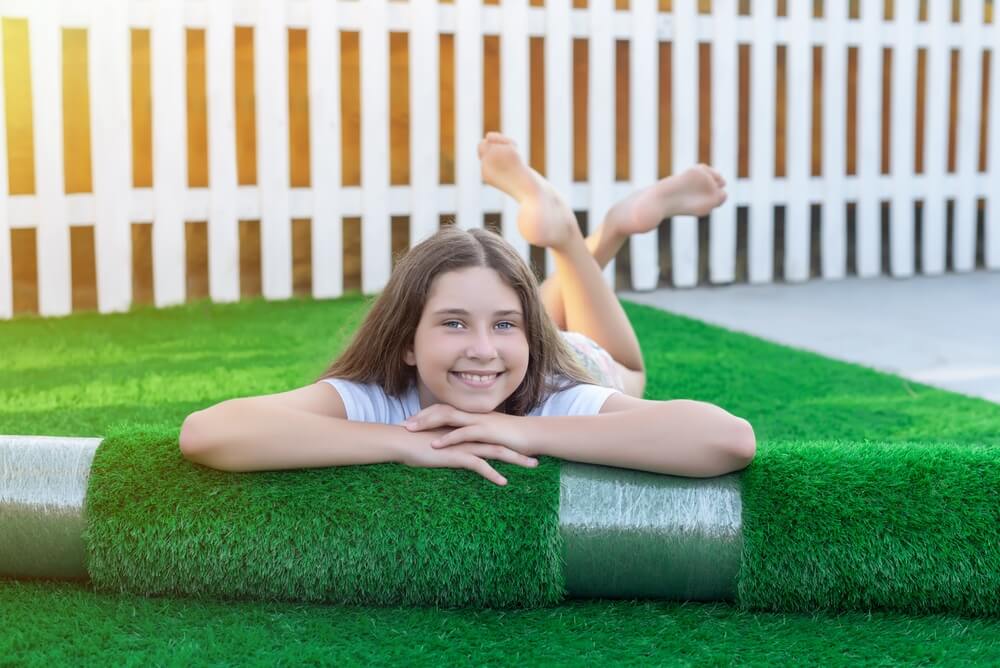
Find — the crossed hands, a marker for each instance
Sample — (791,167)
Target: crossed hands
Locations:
(449,437)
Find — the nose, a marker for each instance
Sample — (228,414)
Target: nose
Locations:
(482,346)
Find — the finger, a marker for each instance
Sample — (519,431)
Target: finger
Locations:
(438,415)
(482,468)
(422,417)
(460,435)
(422,422)
(503,453)
(469,434)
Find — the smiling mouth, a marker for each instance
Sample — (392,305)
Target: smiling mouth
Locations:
(475,380)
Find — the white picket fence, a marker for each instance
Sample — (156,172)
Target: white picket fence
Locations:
(115,204)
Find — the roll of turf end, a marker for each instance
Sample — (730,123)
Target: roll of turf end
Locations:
(633,534)
(43,482)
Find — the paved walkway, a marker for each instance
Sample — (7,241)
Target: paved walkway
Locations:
(942,331)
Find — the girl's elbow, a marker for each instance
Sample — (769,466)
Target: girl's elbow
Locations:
(186,439)
(742,443)
(191,439)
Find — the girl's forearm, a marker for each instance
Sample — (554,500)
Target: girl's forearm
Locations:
(241,436)
(678,437)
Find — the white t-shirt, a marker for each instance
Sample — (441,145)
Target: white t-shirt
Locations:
(368,402)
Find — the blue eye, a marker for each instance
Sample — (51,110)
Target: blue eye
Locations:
(507,322)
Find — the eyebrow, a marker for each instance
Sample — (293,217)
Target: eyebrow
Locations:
(462,311)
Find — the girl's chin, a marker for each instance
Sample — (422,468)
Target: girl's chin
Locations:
(477,403)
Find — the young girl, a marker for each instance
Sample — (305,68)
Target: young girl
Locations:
(464,358)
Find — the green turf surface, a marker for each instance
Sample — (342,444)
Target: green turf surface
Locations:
(375,535)
(82,374)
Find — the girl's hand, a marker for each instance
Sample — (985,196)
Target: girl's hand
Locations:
(417,451)
(496,428)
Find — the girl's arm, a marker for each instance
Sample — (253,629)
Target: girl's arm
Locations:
(246,434)
(677,437)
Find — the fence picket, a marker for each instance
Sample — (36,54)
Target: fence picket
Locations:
(643,87)
(468,112)
(834,235)
(725,119)
(963,251)
(601,120)
(992,213)
(323,43)
(166,41)
(558,104)
(902,120)
(798,169)
(425,135)
(273,180)
(52,225)
(223,230)
(867,211)
(375,228)
(760,241)
(932,237)
(111,145)
(6,260)
(515,81)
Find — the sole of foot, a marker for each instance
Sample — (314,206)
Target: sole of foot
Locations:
(544,219)
(694,192)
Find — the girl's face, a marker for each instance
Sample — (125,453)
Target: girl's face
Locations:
(472,322)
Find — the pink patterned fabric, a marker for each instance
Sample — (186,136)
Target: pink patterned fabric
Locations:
(595,359)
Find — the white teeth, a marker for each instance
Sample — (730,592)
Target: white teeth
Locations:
(477,379)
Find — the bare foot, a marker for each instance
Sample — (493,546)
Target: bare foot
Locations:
(544,218)
(694,192)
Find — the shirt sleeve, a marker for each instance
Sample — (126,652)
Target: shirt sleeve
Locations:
(359,402)
(582,399)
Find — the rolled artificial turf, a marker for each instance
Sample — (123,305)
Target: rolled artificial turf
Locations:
(813,525)
(619,533)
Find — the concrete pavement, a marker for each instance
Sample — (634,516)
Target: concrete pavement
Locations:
(942,330)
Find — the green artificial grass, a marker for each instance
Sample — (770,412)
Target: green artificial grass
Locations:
(378,535)
(854,441)
(841,525)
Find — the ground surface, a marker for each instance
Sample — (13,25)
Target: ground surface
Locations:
(939,330)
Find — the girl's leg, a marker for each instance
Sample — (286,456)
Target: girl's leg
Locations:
(588,305)
(545,220)
(694,192)
(603,244)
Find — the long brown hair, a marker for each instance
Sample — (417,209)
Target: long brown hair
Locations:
(375,354)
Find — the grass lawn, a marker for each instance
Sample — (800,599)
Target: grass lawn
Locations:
(79,375)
